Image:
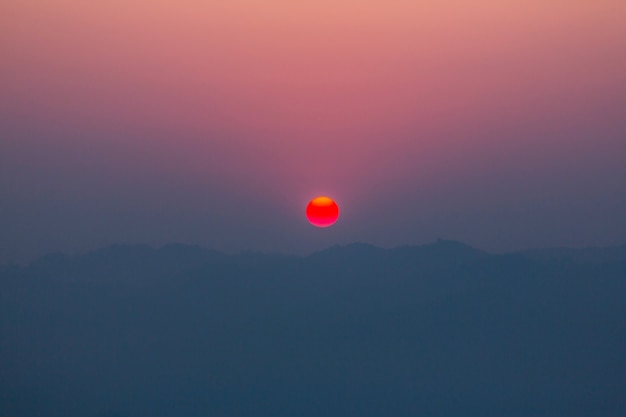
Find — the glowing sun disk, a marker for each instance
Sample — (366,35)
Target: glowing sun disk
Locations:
(322,211)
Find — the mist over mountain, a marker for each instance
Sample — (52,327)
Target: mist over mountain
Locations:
(435,330)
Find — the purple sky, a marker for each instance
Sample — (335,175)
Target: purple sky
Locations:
(500,124)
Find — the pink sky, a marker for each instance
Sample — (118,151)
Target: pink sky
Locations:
(398,109)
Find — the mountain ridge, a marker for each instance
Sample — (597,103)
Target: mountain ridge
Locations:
(439,329)
(193,252)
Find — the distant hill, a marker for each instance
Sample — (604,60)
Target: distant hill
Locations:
(581,255)
(434,330)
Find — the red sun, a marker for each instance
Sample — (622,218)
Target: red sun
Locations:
(322,211)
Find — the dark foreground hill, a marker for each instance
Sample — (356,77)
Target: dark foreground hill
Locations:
(435,330)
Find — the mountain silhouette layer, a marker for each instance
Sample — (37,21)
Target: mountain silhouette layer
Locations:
(435,330)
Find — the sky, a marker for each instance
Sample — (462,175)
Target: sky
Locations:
(497,123)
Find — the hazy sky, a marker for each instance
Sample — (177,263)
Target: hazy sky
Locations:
(498,123)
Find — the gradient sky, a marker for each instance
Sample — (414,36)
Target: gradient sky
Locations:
(498,123)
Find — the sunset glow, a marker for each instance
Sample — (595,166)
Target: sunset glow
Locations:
(429,119)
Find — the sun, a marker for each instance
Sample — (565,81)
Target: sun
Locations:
(322,211)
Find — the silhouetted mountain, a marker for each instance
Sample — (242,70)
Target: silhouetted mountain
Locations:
(590,254)
(129,264)
(433,330)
